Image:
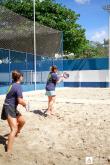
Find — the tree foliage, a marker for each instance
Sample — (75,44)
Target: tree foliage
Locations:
(92,50)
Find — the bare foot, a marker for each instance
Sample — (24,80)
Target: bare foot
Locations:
(17,134)
(9,152)
(48,113)
(52,113)
(9,156)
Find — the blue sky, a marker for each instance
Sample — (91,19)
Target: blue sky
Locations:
(92,17)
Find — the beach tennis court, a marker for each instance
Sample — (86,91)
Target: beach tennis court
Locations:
(79,129)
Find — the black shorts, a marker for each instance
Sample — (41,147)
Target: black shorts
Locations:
(9,110)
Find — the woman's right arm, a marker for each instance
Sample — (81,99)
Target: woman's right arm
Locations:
(60,80)
(21,102)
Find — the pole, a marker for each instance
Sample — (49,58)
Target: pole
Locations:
(26,67)
(107,8)
(9,60)
(109,50)
(35,78)
(62,47)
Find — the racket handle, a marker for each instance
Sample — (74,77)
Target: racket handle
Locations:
(27,107)
(61,76)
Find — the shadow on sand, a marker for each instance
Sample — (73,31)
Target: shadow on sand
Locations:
(40,112)
(3,142)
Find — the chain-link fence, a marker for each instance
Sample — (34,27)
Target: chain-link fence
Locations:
(17,48)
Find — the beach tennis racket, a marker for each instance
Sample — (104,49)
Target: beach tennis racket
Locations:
(66,75)
(27,107)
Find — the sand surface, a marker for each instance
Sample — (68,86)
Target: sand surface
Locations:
(81,128)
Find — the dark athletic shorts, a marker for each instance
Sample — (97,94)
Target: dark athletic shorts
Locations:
(9,110)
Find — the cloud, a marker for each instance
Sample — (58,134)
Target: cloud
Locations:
(98,35)
(82,1)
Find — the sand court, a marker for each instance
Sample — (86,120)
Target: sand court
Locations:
(80,129)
